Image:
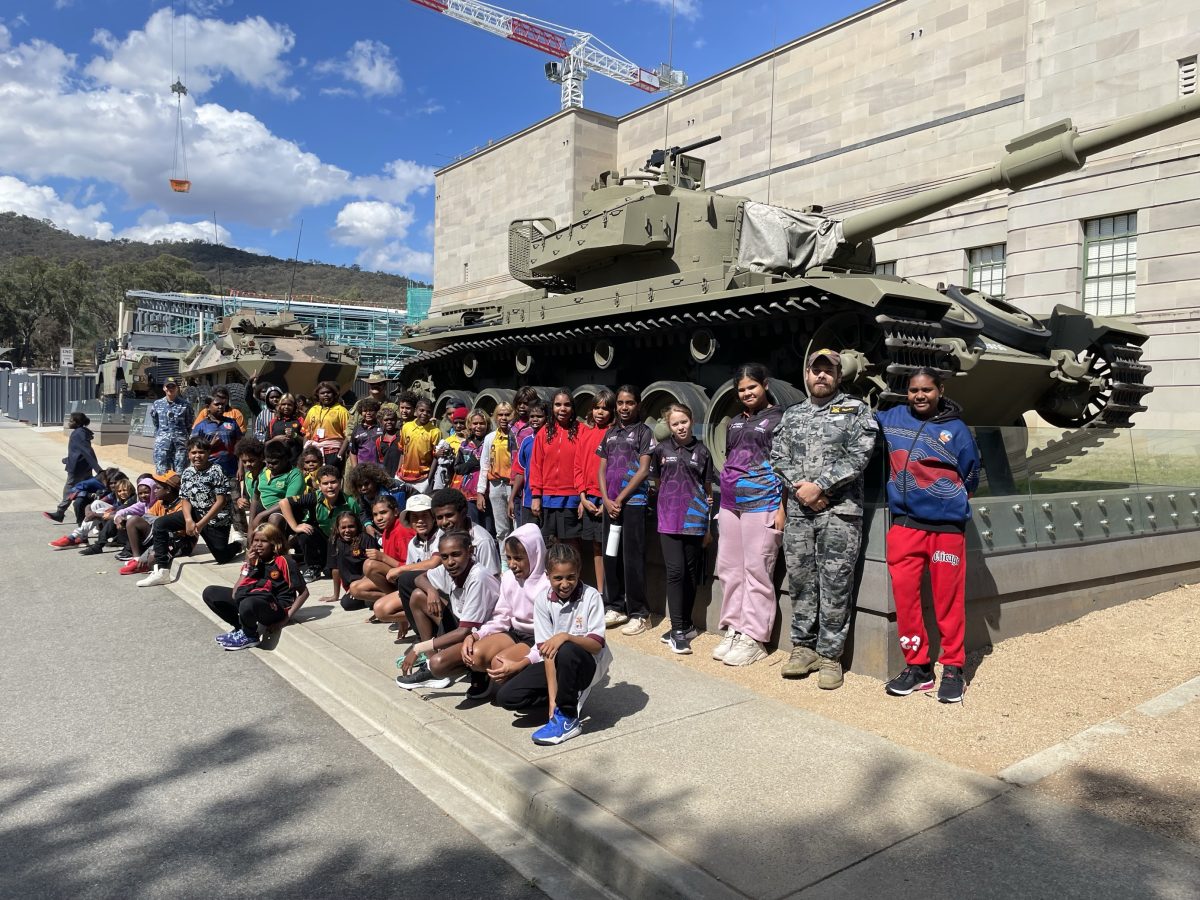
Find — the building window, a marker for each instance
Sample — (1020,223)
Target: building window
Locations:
(985,269)
(1110,265)
(1187,76)
(885,268)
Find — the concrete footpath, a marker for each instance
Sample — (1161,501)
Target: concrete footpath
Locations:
(684,785)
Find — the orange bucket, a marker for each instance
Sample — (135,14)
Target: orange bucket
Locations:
(180,185)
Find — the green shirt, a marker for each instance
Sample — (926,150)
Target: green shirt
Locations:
(322,512)
(273,488)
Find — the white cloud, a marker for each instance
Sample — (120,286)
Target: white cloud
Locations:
(156,226)
(687,9)
(397,258)
(42,202)
(370,65)
(34,63)
(251,51)
(369,222)
(699,43)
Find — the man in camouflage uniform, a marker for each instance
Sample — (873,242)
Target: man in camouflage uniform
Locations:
(172,418)
(820,449)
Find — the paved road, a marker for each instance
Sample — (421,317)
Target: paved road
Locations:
(137,760)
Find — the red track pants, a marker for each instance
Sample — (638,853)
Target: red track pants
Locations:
(909,551)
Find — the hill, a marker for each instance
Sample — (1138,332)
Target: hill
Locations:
(225,268)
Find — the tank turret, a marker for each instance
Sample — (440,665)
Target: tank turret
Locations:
(659,281)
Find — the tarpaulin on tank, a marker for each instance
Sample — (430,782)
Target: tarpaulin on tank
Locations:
(783,241)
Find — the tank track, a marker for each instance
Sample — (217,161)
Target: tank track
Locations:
(910,345)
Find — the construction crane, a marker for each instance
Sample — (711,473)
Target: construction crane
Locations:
(577,52)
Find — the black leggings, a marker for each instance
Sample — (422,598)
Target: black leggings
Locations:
(574,669)
(249,614)
(313,549)
(625,573)
(683,557)
(216,538)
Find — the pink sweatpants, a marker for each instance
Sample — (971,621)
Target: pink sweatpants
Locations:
(746,551)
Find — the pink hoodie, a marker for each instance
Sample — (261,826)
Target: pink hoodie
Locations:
(514,609)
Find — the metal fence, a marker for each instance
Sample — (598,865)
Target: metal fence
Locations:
(43,398)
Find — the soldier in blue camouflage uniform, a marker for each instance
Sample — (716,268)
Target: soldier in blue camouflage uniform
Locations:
(820,449)
(172,418)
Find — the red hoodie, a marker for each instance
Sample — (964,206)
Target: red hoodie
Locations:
(587,463)
(552,466)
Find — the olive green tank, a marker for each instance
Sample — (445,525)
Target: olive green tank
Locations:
(273,348)
(662,283)
(139,363)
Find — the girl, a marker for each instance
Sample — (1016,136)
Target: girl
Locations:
(467,469)
(750,523)
(367,483)
(393,538)
(360,444)
(934,470)
(325,424)
(287,426)
(624,464)
(349,554)
(587,480)
(421,555)
(138,528)
(520,428)
(496,460)
(684,471)
(114,528)
(98,517)
(520,500)
(262,421)
(80,462)
(268,592)
(506,637)
(569,655)
(554,497)
(278,479)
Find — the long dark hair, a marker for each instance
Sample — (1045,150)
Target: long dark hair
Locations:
(625,389)
(552,424)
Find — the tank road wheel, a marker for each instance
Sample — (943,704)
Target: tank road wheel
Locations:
(584,397)
(603,354)
(725,405)
(1110,391)
(856,338)
(491,398)
(447,400)
(237,397)
(658,396)
(1002,321)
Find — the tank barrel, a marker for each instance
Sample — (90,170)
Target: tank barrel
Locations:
(1034,157)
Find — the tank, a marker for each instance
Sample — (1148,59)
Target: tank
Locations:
(275,348)
(659,282)
(139,362)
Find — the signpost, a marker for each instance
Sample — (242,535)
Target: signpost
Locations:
(66,359)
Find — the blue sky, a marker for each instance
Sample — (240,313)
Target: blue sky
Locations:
(336,114)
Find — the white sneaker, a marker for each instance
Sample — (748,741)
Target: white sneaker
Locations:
(745,650)
(636,626)
(156,577)
(723,648)
(614,617)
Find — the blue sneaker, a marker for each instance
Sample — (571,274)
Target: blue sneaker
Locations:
(558,729)
(224,638)
(239,640)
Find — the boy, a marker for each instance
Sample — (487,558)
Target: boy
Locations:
(419,436)
(388,445)
(406,405)
(250,463)
(520,501)
(220,433)
(203,511)
(278,479)
(495,463)
(360,442)
(322,508)
(448,603)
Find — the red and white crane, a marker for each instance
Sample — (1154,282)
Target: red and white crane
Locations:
(577,52)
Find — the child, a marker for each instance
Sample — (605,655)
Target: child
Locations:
(507,636)
(114,528)
(419,437)
(420,556)
(268,592)
(311,460)
(495,459)
(85,493)
(522,400)
(348,553)
(262,422)
(555,501)
(360,445)
(520,500)
(321,508)
(80,462)
(391,552)
(470,593)
(406,404)
(569,657)
(250,457)
(624,464)
(203,511)
(278,479)
(587,480)
(367,483)
(447,450)
(138,528)
(750,523)
(99,515)
(325,424)
(388,445)
(467,469)
(287,426)
(221,433)
(684,471)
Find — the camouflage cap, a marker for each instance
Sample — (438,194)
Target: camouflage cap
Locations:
(825,353)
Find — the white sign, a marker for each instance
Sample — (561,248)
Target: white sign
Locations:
(66,357)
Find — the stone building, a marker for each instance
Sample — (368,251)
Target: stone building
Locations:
(900,97)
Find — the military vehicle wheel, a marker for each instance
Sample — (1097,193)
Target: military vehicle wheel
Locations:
(725,405)
(447,400)
(193,394)
(658,396)
(1083,407)
(237,397)
(489,399)
(1006,323)
(585,397)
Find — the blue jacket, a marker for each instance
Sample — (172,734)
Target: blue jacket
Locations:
(933,463)
(80,461)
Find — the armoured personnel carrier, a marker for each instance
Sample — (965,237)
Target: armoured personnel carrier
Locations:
(660,282)
(139,362)
(275,348)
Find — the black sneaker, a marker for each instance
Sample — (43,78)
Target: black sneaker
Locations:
(691,634)
(309,574)
(480,685)
(54,516)
(92,550)
(913,678)
(124,554)
(953,687)
(420,676)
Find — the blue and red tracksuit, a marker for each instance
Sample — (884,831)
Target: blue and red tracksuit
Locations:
(934,467)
